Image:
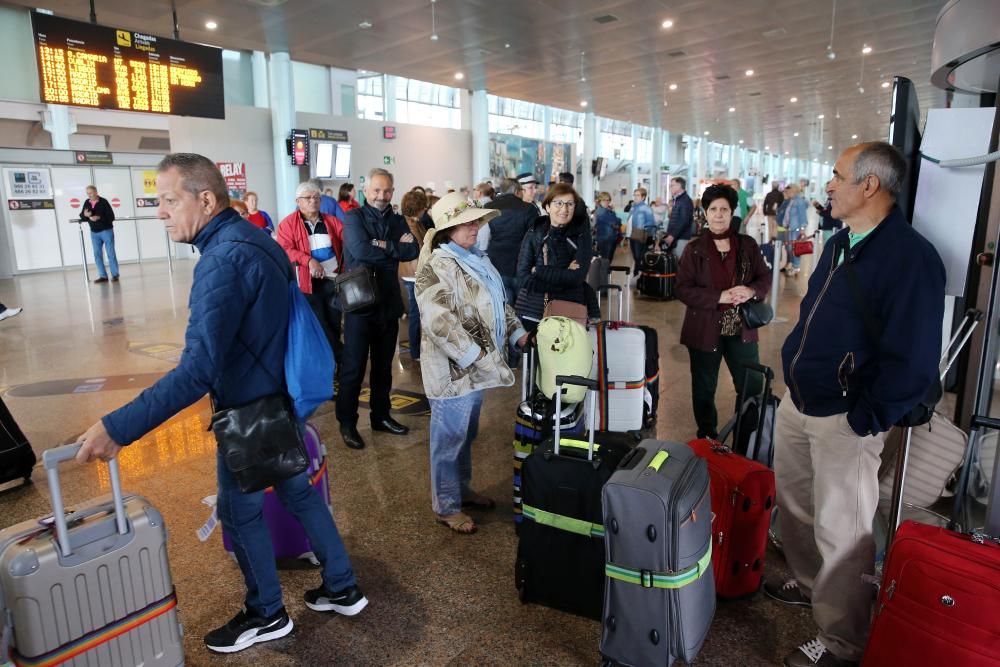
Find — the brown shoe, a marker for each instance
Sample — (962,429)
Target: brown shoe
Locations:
(101,280)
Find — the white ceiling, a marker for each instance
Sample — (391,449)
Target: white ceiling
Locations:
(628,62)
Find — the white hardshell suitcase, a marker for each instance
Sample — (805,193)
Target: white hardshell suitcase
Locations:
(620,369)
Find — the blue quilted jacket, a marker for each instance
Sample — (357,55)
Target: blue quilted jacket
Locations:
(239,311)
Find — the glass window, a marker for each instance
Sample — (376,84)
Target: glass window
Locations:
(423,103)
(370,103)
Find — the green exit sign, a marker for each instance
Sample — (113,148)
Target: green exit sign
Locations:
(388,159)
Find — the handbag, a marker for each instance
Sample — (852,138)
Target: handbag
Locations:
(802,247)
(568,309)
(356,289)
(756,314)
(260,442)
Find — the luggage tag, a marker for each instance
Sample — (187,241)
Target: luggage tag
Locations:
(212,522)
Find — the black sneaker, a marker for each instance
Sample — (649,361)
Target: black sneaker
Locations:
(349,601)
(247,629)
(787,593)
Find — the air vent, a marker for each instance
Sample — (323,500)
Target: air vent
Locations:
(605,18)
(160,144)
(777,32)
(798,115)
(779,106)
(722,77)
(676,54)
(267,3)
(757,94)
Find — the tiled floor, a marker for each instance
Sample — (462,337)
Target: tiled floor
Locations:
(437,598)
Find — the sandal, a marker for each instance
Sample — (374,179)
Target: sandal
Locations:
(458,522)
(478,501)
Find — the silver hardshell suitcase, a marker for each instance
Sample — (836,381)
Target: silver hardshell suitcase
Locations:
(659,596)
(91,589)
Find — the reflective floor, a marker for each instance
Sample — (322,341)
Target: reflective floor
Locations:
(437,598)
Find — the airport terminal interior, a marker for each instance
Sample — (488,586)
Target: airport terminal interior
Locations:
(448,95)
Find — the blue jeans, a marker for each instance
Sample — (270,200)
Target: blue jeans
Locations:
(242,516)
(606,249)
(413,316)
(454,425)
(101,240)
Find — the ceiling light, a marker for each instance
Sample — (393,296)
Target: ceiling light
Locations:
(793,100)
(672,86)
(829,148)
(821,116)
(583,103)
(767,148)
(211,25)
(885,84)
(854,136)
(366,25)
(706,133)
(795,134)
(741,142)
(866,50)
(459,76)
(506,45)
(664,103)
(732,109)
(826,162)
(668,24)
(786,152)
(749,72)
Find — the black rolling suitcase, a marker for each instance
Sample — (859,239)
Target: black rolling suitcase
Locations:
(658,275)
(16,456)
(560,553)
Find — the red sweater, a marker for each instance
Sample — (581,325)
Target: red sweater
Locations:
(294,238)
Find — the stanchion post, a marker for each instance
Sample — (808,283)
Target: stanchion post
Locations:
(83,255)
(170,261)
(775,279)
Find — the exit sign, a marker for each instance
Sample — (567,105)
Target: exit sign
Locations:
(388,131)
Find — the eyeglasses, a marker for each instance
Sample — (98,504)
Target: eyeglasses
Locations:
(311,198)
(556,203)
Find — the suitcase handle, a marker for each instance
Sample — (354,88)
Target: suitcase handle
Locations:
(51,458)
(621,299)
(591,385)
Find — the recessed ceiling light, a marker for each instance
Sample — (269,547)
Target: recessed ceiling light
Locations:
(786,152)
(459,76)
(767,148)
(211,25)
(795,134)
(854,136)
(885,84)
(672,86)
(366,25)
(667,24)
(821,116)
(583,103)
(826,162)
(706,133)
(741,142)
(506,45)
(749,72)
(664,103)
(829,148)
(732,109)
(866,50)
(793,100)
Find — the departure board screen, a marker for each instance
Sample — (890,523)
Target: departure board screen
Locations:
(88,65)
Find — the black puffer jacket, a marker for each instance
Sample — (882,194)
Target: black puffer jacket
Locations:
(507,231)
(564,245)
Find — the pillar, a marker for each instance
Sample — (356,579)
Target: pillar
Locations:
(479,122)
(58,122)
(260,91)
(547,122)
(282,94)
(389,98)
(634,171)
(655,163)
(589,153)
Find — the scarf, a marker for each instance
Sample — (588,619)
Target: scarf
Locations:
(723,270)
(475,263)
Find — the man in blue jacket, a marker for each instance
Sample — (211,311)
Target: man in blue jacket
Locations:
(376,238)
(864,353)
(234,351)
(681,224)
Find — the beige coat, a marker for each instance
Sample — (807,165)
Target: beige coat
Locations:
(456,322)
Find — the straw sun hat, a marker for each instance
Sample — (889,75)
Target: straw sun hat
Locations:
(450,211)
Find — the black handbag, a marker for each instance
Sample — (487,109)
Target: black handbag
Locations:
(260,442)
(756,314)
(356,289)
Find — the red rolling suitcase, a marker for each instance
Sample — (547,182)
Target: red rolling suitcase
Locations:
(742,497)
(939,602)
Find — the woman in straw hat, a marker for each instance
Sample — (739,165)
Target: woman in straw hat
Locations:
(465,325)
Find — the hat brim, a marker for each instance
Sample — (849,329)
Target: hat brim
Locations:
(471,214)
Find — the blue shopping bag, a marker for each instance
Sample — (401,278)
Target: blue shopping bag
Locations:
(309,363)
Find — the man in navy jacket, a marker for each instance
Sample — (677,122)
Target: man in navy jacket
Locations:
(860,358)
(379,239)
(234,350)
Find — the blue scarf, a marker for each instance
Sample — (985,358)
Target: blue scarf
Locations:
(478,265)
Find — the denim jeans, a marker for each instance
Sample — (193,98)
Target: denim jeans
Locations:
(454,425)
(101,240)
(413,317)
(638,249)
(606,249)
(242,516)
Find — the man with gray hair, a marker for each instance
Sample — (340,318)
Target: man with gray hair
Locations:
(506,232)
(378,239)
(863,354)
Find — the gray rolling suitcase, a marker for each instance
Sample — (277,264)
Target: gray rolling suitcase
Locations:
(659,596)
(91,589)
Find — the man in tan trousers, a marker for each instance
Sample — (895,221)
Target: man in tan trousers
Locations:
(863,354)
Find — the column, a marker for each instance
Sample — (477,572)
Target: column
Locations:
(480,126)
(260,94)
(60,124)
(703,170)
(547,122)
(389,98)
(655,164)
(282,93)
(634,171)
(586,189)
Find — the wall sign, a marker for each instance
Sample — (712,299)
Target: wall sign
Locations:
(87,65)
(298,148)
(235,174)
(388,131)
(327,135)
(93,157)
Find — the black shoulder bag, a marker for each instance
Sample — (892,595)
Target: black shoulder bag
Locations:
(922,412)
(755,313)
(357,289)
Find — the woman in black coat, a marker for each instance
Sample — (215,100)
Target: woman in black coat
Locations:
(554,259)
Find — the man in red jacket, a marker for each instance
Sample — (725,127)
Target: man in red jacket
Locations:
(314,242)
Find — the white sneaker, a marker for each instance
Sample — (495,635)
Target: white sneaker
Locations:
(10,312)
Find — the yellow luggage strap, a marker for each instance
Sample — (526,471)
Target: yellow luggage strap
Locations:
(670,580)
(569,524)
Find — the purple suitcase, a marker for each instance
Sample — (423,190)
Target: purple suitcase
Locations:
(287,534)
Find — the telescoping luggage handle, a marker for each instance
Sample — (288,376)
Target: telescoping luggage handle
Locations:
(768,373)
(591,385)
(621,299)
(51,458)
(959,520)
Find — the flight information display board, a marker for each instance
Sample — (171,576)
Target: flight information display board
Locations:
(88,65)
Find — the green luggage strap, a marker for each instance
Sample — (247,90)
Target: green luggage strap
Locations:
(577,444)
(569,524)
(650,579)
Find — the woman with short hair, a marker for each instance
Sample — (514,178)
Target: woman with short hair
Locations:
(345,198)
(606,227)
(255,216)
